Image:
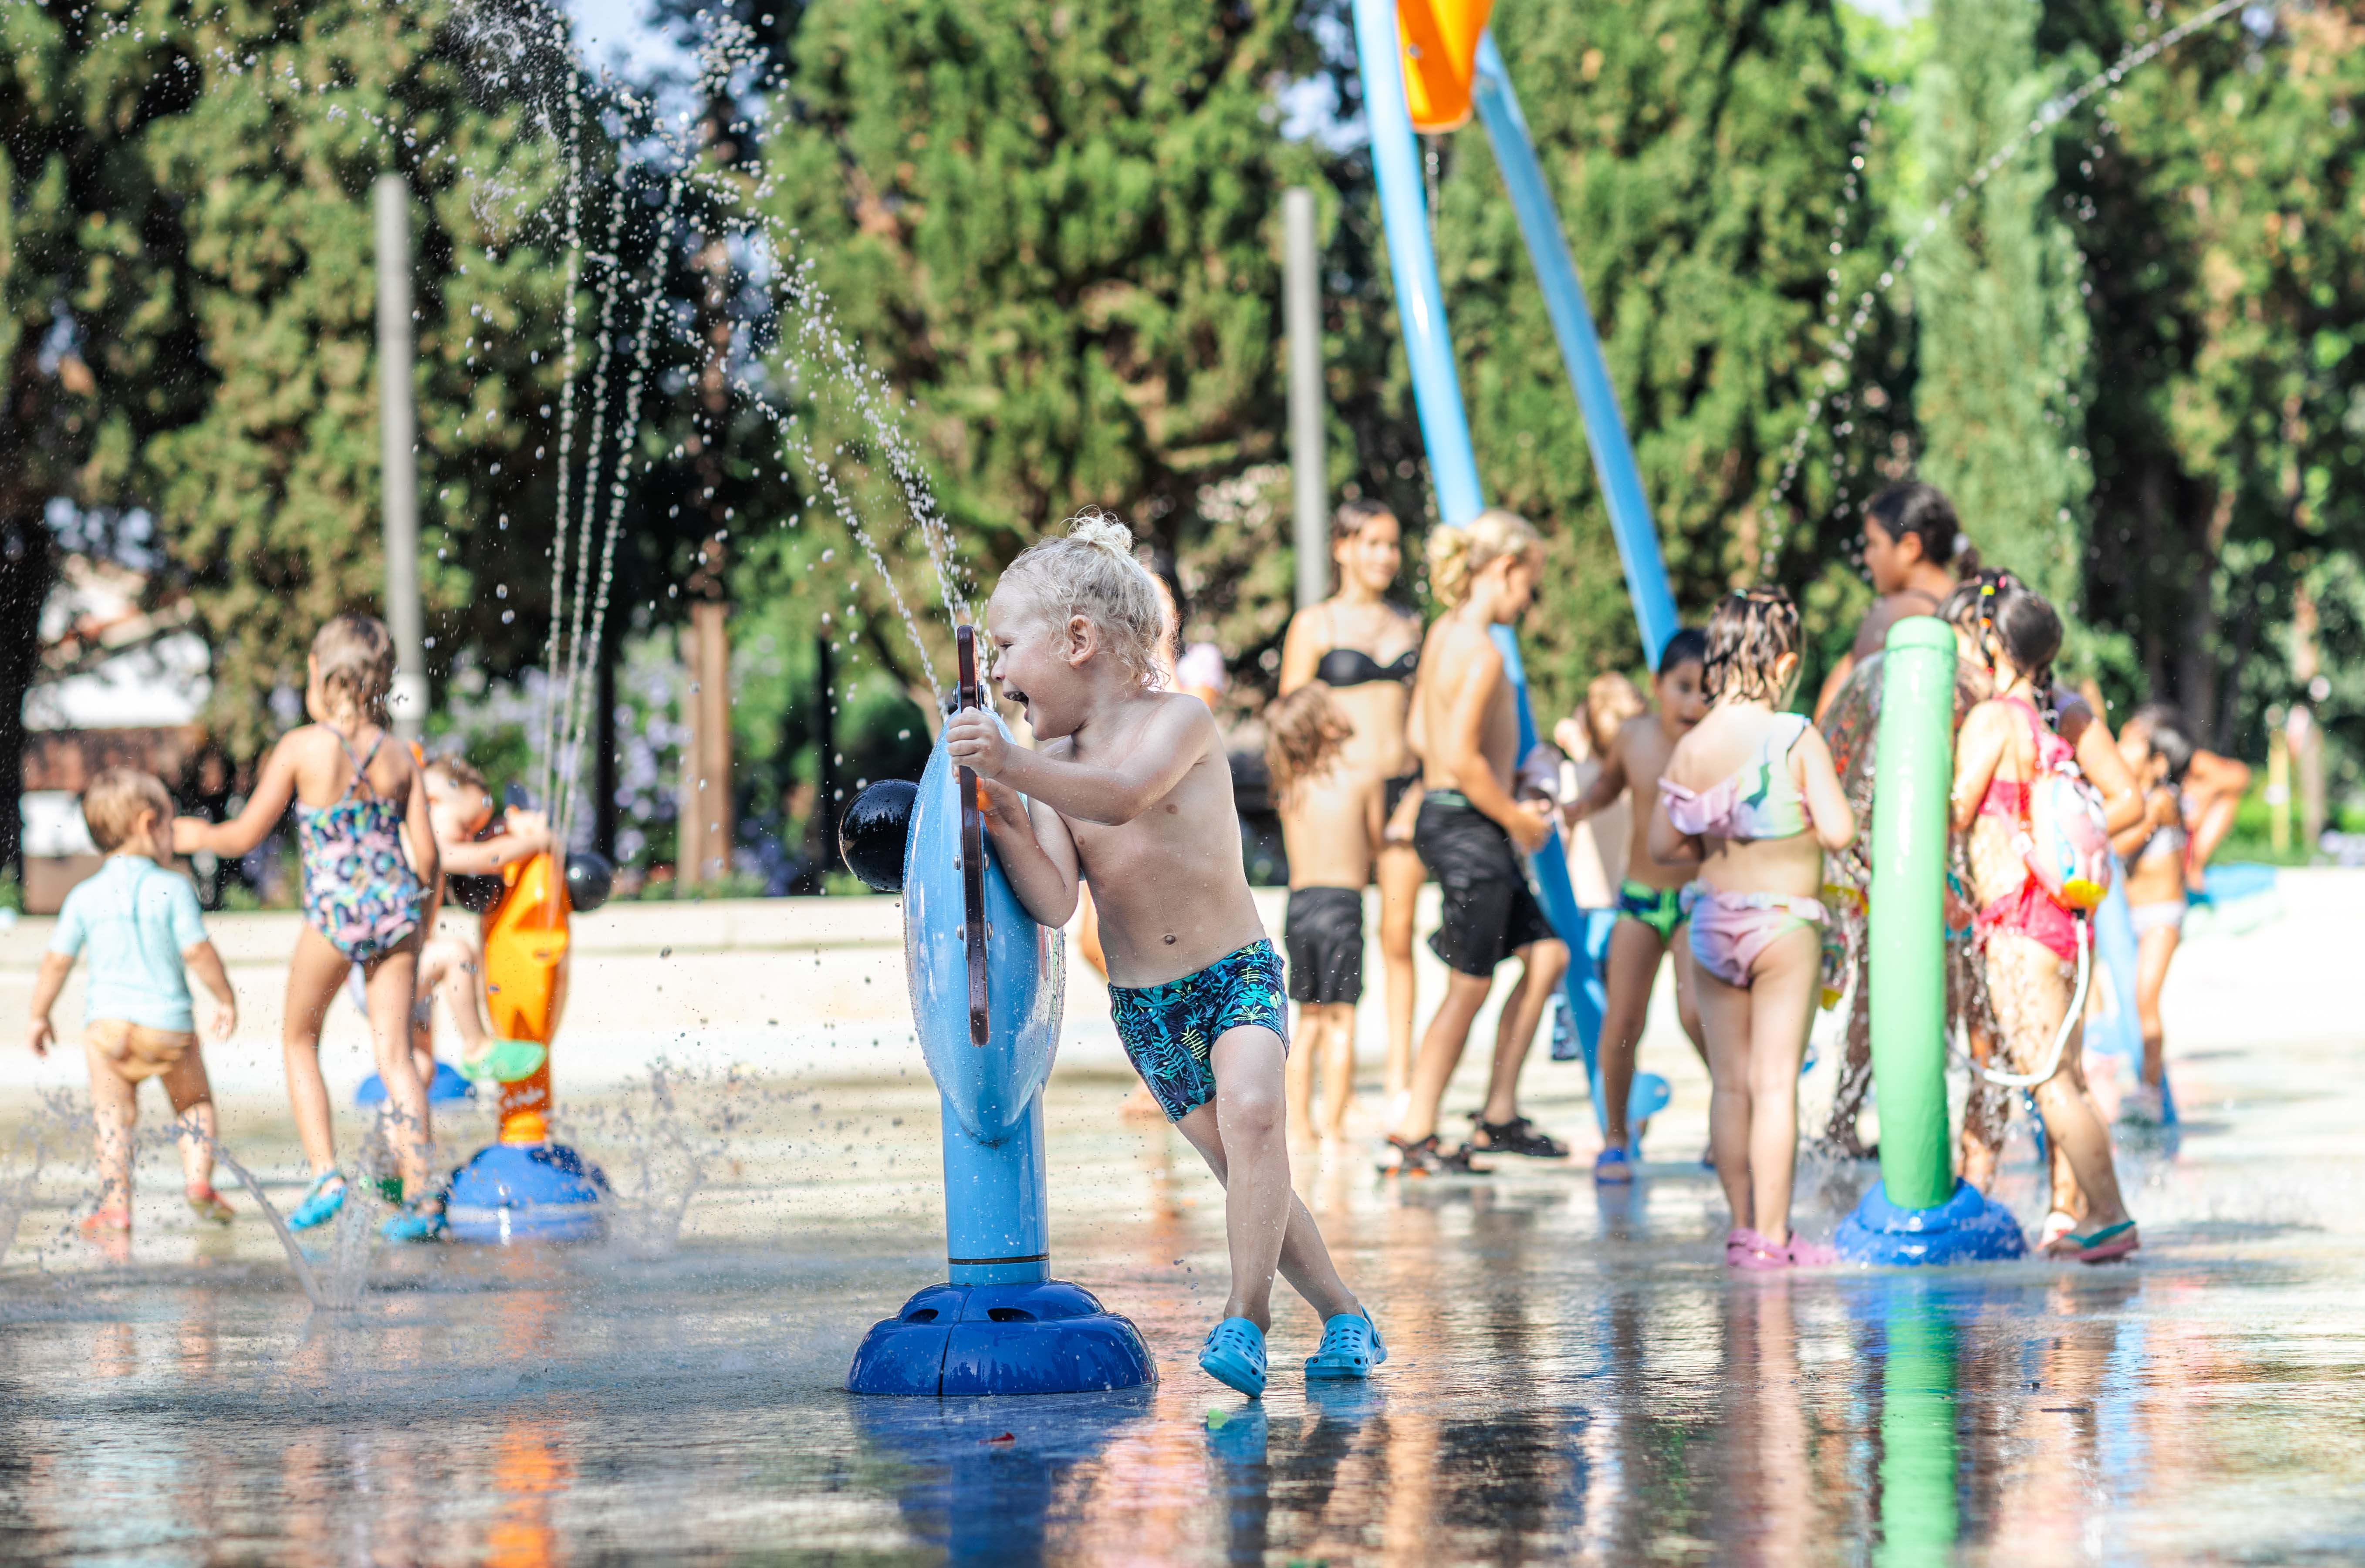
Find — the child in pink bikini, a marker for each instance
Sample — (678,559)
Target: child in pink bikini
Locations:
(1751,793)
(2028,942)
(357,800)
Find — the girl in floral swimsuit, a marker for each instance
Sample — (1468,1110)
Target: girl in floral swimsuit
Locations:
(354,797)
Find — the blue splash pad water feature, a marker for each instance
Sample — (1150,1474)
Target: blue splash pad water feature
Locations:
(1967,1229)
(1053,1337)
(446,1087)
(543,1192)
(987,986)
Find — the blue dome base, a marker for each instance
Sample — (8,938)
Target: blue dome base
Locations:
(1969,1227)
(539,1192)
(961,1340)
(446,1086)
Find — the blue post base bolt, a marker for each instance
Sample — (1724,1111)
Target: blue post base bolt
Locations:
(540,1191)
(1047,1337)
(1969,1227)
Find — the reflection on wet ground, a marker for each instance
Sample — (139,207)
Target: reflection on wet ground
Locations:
(1575,1376)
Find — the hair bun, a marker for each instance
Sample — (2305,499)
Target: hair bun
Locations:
(1095,527)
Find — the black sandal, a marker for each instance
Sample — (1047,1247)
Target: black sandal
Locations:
(1519,1135)
(1427,1159)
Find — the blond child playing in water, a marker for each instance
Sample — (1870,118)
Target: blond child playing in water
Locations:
(1130,789)
(358,803)
(1331,821)
(140,926)
(1752,794)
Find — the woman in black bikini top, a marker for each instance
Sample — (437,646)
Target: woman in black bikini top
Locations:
(1365,649)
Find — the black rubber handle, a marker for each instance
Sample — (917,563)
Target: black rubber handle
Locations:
(970,694)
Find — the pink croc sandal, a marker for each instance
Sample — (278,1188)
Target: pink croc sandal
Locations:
(1806,1254)
(1746,1250)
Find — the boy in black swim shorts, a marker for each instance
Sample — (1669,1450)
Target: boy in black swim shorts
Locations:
(1471,833)
(1332,822)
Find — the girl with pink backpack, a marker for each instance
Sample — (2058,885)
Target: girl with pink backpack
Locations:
(2040,862)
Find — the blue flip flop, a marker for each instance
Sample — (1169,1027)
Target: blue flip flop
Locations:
(1351,1347)
(1234,1356)
(319,1207)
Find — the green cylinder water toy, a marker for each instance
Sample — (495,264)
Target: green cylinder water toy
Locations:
(1920,1212)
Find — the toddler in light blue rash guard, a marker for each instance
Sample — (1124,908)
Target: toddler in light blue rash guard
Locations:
(140,927)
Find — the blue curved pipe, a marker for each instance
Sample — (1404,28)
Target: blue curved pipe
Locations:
(1580,351)
(1445,425)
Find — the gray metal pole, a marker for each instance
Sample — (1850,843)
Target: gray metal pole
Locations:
(399,456)
(1302,317)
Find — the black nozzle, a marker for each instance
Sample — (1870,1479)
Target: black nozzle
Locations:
(590,880)
(872,832)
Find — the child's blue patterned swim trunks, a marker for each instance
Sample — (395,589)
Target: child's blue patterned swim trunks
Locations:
(1168,1030)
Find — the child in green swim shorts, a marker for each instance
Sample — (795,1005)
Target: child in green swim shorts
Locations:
(1650,899)
(1130,789)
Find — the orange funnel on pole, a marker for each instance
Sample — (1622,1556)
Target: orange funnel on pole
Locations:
(526,941)
(1439,38)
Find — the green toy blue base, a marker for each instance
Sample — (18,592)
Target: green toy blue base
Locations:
(959,1340)
(541,1191)
(1969,1227)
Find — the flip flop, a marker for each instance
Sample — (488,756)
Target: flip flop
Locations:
(208,1204)
(2097,1247)
(510,1061)
(319,1205)
(107,1222)
(1613,1168)
(1234,1356)
(1350,1347)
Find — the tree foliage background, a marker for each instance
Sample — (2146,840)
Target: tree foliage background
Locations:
(1041,239)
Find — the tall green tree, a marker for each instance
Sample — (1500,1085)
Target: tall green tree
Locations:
(2002,387)
(190,278)
(2215,193)
(1054,228)
(1699,151)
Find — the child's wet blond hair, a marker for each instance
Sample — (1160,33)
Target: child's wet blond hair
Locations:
(356,655)
(111,807)
(1091,571)
(1303,732)
(1458,554)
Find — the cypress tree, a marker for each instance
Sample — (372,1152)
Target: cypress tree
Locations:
(2002,383)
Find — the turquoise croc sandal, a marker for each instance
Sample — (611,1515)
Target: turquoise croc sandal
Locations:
(1234,1356)
(1351,1347)
(414,1225)
(1613,1168)
(319,1205)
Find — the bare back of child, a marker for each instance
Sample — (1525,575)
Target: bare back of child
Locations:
(1753,792)
(368,856)
(1471,832)
(1333,818)
(1130,789)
